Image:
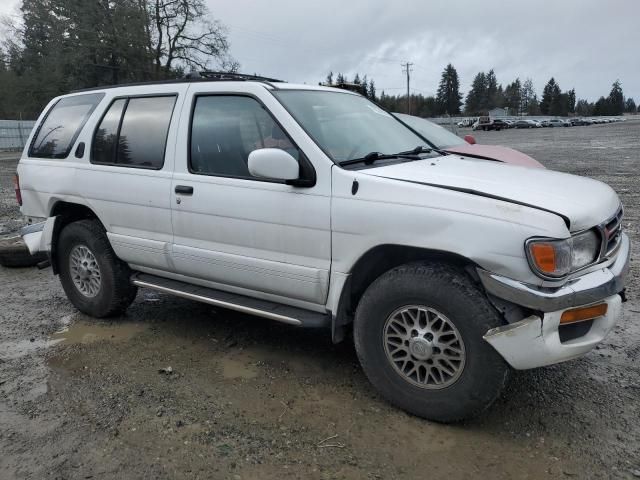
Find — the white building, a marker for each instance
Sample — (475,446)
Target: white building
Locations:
(499,112)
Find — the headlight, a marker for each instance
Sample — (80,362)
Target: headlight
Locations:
(558,258)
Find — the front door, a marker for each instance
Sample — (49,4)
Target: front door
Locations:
(259,237)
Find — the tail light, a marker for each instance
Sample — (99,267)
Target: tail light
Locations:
(16,186)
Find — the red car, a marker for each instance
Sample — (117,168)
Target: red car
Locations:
(443,139)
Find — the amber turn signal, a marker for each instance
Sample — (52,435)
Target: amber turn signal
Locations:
(544,255)
(583,313)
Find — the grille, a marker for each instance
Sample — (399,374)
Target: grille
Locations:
(612,233)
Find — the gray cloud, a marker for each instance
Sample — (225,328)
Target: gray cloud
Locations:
(586,44)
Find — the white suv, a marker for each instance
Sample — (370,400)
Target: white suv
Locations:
(314,207)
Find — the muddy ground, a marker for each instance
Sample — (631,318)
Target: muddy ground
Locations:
(247,398)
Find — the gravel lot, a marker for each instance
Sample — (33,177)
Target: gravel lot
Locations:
(247,398)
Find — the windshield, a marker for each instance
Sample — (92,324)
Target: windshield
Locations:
(439,136)
(347,126)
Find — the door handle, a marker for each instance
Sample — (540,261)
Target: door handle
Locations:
(184,190)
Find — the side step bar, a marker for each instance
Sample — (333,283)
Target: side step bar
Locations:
(233,301)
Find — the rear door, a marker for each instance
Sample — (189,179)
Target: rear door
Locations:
(241,233)
(127,179)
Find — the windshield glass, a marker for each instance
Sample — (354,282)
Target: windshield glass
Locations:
(347,126)
(439,136)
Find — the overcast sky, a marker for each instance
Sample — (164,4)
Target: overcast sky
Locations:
(586,44)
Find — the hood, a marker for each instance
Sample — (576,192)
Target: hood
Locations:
(583,201)
(496,152)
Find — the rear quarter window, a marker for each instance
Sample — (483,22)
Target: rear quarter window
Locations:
(62,125)
(133,132)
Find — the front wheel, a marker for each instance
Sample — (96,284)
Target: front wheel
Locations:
(94,279)
(418,333)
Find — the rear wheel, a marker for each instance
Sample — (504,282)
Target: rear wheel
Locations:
(418,334)
(94,279)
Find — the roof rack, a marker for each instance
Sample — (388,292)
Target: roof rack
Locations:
(211,75)
(204,76)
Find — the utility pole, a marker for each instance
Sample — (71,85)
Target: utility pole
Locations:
(406,68)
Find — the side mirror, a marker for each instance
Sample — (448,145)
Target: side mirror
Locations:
(273,163)
(469,139)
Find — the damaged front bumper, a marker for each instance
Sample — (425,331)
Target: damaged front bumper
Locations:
(536,341)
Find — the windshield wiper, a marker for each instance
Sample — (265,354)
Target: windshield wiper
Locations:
(371,157)
(422,149)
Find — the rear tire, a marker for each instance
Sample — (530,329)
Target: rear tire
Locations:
(94,279)
(15,254)
(469,381)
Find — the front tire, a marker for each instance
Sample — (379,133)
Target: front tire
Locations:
(94,279)
(418,334)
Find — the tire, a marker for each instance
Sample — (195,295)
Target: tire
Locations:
(15,254)
(448,291)
(85,243)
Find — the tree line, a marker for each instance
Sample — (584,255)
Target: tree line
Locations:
(519,97)
(63,45)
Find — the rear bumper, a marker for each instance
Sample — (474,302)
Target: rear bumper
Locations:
(583,290)
(38,236)
(532,342)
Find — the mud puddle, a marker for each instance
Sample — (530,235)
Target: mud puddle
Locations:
(85,332)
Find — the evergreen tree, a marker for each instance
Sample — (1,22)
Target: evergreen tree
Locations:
(630,106)
(571,100)
(448,97)
(365,86)
(372,90)
(533,106)
(550,97)
(602,107)
(356,79)
(584,108)
(513,96)
(491,100)
(329,80)
(475,103)
(527,95)
(616,99)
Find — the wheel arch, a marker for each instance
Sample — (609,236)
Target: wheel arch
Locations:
(66,213)
(375,262)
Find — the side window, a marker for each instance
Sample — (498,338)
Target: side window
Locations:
(103,147)
(60,128)
(133,132)
(225,129)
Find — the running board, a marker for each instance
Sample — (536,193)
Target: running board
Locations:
(233,301)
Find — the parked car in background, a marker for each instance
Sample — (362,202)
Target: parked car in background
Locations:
(499,124)
(543,123)
(556,122)
(578,122)
(467,122)
(525,124)
(443,139)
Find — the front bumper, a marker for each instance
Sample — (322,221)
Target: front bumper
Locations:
(535,341)
(583,290)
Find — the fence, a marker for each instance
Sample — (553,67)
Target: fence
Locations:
(14,134)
